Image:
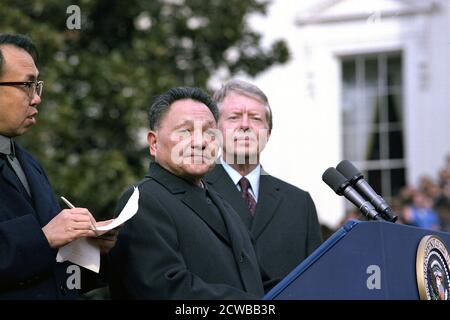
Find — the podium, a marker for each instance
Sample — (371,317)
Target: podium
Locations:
(361,261)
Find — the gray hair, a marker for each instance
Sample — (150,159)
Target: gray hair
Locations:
(247,89)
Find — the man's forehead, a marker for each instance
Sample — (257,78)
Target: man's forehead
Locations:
(237,100)
(242,107)
(17,56)
(15,51)
(181,114)
(196,120)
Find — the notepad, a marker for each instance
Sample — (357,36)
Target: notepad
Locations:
(87,255)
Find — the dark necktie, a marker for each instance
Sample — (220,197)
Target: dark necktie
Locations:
(248,198)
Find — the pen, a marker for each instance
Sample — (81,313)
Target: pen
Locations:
(71,206)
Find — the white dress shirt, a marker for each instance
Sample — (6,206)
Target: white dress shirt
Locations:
(253,178)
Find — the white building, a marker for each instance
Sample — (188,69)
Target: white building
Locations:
(368,81)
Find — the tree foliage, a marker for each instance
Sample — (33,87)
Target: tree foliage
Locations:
(91,132)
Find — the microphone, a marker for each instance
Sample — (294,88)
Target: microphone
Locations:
(336,181)
(356,179)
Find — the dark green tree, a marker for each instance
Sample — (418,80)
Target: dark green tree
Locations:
(99,79)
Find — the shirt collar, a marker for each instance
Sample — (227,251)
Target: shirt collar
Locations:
(253,176)
(5,145)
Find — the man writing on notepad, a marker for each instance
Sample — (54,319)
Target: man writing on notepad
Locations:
(32,226)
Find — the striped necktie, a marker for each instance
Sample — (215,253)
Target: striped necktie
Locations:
(246,195)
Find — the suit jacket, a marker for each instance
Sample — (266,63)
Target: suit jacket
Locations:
(28,267)
(175,247)
(285,228)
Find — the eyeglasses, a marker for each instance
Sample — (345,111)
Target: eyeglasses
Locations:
(33,87)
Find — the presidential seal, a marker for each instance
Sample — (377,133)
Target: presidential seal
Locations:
(432,269)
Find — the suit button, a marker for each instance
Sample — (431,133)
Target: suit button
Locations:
(208,201)
(63,290)
(241,258)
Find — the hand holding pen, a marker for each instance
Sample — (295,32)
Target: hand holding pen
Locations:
(105,241)
(69,225)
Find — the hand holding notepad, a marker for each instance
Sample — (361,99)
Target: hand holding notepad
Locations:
(86,254)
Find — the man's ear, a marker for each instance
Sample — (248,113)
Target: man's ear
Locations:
(152,138)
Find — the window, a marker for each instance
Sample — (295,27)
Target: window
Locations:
(372,108)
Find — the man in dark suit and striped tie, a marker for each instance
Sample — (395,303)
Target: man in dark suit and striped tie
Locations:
(280,217)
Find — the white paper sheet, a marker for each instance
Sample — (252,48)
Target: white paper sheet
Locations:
(87,255)
(81,252)
(127,213)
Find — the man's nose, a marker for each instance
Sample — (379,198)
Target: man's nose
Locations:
(199,140)
(244,122)
(35,100)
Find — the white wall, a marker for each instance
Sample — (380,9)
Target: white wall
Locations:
(427,95)
(306,137)
(305,94)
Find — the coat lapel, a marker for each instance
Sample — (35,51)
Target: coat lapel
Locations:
(236,240)
(268,200)
(10,177)
(224,226)
(42,195)
(8,174)
(221,182)
(206,214)
(237,243)
(188,196)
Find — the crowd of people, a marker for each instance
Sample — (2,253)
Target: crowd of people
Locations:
(426,205)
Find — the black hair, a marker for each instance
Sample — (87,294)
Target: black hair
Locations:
(161,103)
